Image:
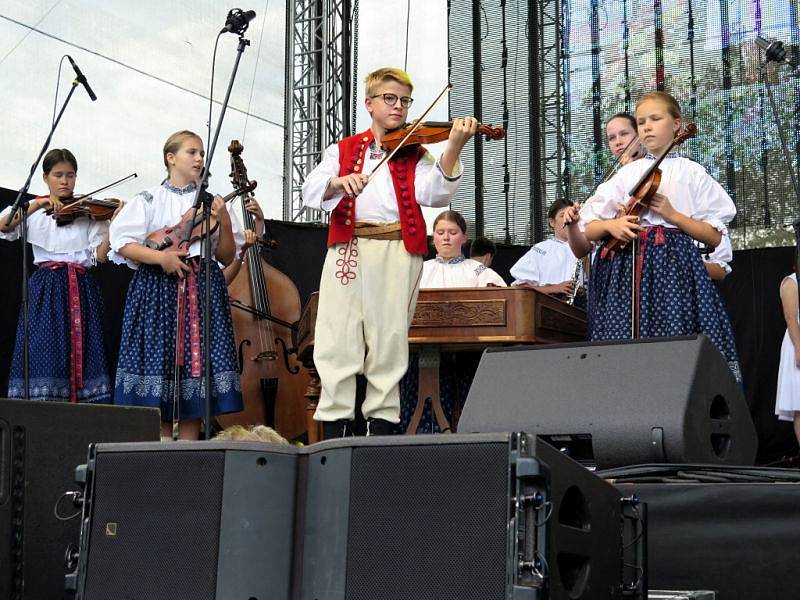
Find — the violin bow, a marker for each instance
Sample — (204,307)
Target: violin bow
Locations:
(414,127)
(105,187)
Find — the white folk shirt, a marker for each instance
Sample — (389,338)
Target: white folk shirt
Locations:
(690,189)
(378,202)
(158,207)
(457,272)
(548,262)
(74,243)
(722,254)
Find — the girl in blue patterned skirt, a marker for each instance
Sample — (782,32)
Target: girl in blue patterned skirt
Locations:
(67,353)
(151,344)
(675,294)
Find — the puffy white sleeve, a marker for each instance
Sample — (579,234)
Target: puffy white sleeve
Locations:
(431,186)
(722,254)
(605,203)
(238,233)
(711,202)
(487,277)
(12,235)
(130,226)
(528,268)
(317,182)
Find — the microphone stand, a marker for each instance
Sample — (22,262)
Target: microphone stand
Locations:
(21,204)
(204,198)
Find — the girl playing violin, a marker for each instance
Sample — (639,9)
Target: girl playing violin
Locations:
(621,134)
(67,353)
(151,344)
(674,295)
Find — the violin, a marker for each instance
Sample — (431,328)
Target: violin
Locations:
(647,186)
(84,206)
(174,238)
(430,132)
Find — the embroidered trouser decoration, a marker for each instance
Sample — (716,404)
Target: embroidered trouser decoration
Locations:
(190,287)
(76,324)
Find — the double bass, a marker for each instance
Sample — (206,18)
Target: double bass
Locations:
(265,306)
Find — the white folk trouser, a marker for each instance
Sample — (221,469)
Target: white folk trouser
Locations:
(362,327)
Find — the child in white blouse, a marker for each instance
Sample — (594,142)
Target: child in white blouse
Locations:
(153,346)
(674,295)
(550,265)
(450,268)
(67,351)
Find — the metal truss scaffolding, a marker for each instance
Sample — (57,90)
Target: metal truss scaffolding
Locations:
(319,88)
(552,70)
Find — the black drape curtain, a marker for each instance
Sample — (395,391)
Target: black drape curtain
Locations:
(750,292)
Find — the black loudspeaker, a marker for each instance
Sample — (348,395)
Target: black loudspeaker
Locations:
(187,520)
(487,516)
(41,443)
(498,516)
(726,529)
(657,400)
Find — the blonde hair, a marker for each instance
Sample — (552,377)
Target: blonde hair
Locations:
(374,79)
(673,107)
(255,433)
(175,141)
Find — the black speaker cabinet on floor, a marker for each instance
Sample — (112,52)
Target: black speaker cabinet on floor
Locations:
(187,520)
(41,443)
(620,403)
(487,516)
(457,517)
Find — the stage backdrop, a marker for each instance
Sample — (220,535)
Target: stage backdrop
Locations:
(751,294)
(553,72)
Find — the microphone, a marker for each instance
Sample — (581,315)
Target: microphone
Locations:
(238,21)
(82,79)
(773,49)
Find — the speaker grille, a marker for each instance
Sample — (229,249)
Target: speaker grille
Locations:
(438,517)
(158,514)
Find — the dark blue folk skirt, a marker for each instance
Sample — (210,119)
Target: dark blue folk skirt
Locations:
(676,295)
(50,339)
(145,374)
(456,372)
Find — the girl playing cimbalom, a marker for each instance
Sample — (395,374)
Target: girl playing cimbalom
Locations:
(675,294)
(147,357)
(67,353)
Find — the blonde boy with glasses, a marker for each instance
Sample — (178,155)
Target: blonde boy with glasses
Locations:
(376,243)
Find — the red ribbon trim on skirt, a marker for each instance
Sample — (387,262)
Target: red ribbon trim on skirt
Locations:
(75,322)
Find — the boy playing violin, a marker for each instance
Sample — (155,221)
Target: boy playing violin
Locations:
(376,243)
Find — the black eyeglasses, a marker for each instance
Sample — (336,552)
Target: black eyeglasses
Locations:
(391,99)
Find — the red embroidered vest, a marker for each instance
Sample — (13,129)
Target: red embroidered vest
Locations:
(402,168)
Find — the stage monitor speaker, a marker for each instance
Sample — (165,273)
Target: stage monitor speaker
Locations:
(617,403)
(187,520)
(41,443)
(497,516)
(488,516)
